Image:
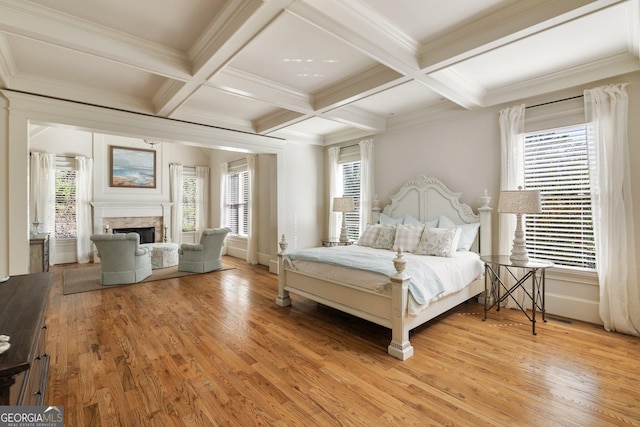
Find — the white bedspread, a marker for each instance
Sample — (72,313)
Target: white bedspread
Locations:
(431,277)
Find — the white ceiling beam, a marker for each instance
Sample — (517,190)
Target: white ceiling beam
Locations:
(342,22)
(45,25)
(455,88)
(221,42)
(574,76)
(357,118)
(521,20)
(240,83)
(278,120)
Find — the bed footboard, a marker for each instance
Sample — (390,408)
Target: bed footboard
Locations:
(394,315)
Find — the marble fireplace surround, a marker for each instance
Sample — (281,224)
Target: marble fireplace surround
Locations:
(132,214)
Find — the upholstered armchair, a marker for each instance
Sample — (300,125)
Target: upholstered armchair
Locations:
(122,260)
(206,256)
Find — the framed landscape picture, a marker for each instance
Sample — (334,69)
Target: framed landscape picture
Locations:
(132,167)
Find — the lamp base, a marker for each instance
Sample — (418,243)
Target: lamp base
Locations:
(344,235)
(519,251)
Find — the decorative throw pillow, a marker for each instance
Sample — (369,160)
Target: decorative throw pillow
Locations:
(386,237)
(468,232)
(370,235)
(437,242)
(386,219)
(407,237)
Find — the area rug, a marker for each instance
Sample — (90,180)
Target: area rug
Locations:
(83,279)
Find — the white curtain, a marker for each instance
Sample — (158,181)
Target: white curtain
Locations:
(202,199)
(335,189)
(511,177)
(43,194)
(84,195)
(606,110)
(175,188)
(366,183)
(252,240)
(224,172)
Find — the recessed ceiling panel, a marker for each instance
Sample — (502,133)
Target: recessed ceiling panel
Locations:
(74,69)
(222,104)
(574,43)
(317,126)
(399,100)
(300,56)
(176,24)
(425,20)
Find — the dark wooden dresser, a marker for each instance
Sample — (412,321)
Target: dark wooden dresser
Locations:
(24,366)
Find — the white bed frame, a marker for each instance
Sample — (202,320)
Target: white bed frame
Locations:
(425,198)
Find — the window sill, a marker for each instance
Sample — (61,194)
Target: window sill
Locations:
(585,277)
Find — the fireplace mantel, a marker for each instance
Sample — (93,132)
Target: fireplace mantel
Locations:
(121,209)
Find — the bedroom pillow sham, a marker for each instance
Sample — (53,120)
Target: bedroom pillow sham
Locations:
(370,235)
(468,232)
(437,242)
(386,237)
(408,237)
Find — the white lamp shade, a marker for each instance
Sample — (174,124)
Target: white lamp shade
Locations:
(520,202)
(343,204)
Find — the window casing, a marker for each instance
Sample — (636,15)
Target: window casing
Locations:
(556,163)
(237,201)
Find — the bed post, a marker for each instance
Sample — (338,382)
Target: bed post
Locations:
(283,298)
(400,347)
(485,225)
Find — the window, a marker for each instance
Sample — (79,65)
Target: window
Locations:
(556,163)
(237,201)
(189,206)
(63,224)
(350,173)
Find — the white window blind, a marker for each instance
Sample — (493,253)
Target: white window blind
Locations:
(351,188)
(189,202)
(63,225)
(556,163)
(237,201)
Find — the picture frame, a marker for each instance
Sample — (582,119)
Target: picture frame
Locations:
(132,167)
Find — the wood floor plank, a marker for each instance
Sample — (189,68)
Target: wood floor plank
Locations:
(215,349)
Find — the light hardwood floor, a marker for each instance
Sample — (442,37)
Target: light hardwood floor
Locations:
(215,349)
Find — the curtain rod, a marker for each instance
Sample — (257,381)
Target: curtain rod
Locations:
(553,102)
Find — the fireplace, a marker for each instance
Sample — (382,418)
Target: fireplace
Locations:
(147,234)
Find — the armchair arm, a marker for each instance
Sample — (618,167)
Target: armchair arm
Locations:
(191,247)
(141,251)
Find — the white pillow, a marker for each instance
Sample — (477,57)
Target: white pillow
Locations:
(468,232)
(437,242)
(386,219)
(369,235)
(407,236)
(408,219)
(385,238)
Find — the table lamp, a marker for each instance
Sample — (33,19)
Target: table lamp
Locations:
(343,204)
(519,202)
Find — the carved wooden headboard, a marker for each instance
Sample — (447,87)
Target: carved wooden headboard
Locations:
(426,198)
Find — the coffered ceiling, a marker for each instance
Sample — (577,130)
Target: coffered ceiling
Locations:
(322,71)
